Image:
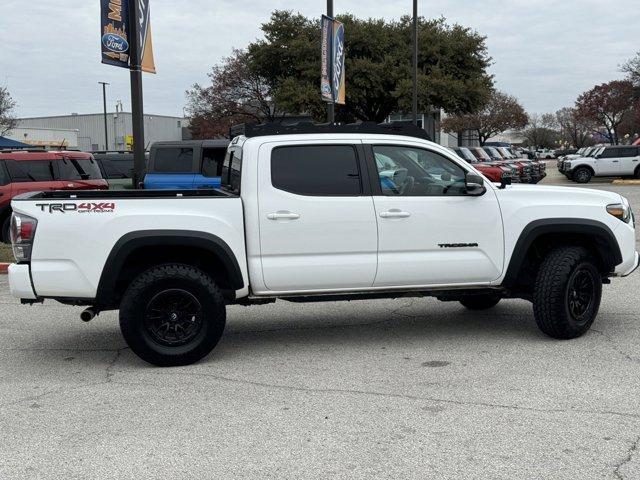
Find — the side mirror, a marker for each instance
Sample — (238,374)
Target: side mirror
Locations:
(474,185)
(504,182)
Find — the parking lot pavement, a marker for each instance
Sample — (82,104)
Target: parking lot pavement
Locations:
(406,388)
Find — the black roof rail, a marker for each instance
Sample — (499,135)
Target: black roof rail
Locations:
(405,128)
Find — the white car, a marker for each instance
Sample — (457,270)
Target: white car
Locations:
(545,154)
(313,216)
(614,161)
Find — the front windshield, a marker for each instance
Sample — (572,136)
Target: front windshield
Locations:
(467,155)
(494,152)
(595,152)
(480,154)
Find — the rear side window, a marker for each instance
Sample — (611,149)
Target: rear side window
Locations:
(318,170)
(30,170)
(173,160)
(212,161)
(628,152)
(4,176)
(79,169)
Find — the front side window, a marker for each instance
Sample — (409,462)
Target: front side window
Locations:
(30,170)
(316,170)
(610,153)
(409,171)
(173,160)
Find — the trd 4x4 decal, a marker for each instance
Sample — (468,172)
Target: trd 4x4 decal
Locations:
(80,208)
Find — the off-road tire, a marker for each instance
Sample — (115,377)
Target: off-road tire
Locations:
(155,282)
(6,225)
(553,293)
(582,175)
(480,302)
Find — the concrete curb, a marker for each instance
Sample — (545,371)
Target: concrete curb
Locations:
(626,182)
(4,268)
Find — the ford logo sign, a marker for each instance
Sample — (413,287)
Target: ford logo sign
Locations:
(115,43)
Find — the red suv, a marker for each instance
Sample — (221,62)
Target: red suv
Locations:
(36,171)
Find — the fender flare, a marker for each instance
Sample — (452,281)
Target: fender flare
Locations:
(143,238)
(600,233)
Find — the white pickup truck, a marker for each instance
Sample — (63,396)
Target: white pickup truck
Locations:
(319,216)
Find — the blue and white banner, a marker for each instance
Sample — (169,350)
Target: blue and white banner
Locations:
(332,77)
(114,25)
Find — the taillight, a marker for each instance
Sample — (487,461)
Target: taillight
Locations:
(23,229)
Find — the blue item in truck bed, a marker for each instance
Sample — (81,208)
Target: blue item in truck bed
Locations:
(179,181)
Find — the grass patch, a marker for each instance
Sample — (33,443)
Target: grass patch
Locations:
(6,254)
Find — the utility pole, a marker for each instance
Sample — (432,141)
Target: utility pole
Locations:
(137,110)
(415,62)
(104,110)
(331,105)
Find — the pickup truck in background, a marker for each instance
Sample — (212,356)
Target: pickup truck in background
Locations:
(314,214)
(185,165)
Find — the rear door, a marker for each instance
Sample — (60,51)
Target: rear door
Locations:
(629,160)
(608,163)
(32,176)
(430,232)
(317,221)
(172,168)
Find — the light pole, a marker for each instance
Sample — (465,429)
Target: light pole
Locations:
(330,106)
(104,112)
(415,63)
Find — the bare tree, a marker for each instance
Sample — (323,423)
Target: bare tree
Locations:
(236,94)
(502,113)
(542,131)
(574,129)
(7,120)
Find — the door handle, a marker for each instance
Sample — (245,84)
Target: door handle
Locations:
(283,215)
(615,161)
(394,213)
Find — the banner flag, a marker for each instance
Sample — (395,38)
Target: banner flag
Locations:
(116,31)
(114,23)
(338,63)
(332,77)
(325,76)
(146,44)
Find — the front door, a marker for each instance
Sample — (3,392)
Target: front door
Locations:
(430,232)
(317,220)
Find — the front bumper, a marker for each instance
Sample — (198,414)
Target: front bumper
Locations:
(20,282)
(628,269)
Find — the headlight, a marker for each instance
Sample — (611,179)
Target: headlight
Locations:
(620,211)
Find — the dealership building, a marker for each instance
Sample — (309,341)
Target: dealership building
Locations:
(86,131)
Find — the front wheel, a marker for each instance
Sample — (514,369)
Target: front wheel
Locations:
(582,175)
(567,293)
(172,315)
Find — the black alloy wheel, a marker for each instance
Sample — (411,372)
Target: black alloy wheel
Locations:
(173,317)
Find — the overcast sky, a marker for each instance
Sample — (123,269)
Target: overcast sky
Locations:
(545,52)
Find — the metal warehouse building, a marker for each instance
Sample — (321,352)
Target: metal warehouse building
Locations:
(91,129)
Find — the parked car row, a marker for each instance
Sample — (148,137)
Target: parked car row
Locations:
(601,161)
(498,163)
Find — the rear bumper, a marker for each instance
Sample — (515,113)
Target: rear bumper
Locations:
(20,282)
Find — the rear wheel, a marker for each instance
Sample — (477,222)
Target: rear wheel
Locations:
(567,293)
(6,224)
(637,173)
(172,315)
(582,175)
(480,302)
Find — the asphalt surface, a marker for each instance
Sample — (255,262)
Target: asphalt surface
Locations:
(407,388)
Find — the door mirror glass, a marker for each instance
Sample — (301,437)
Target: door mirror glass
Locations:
(474,184)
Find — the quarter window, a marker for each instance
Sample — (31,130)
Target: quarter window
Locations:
(316,170)
(415,172)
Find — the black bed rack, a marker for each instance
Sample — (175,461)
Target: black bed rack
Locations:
(404,128)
